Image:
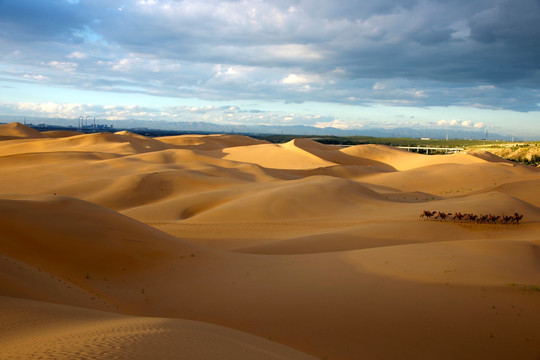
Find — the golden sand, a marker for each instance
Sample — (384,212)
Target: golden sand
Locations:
(203,247)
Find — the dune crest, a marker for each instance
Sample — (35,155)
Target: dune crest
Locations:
(210,142)
(60,133)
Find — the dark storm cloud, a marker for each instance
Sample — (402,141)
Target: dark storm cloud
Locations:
(428,52)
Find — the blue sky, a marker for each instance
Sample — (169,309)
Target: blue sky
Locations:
(453,64)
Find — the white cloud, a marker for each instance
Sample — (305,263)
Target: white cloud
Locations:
(147,2)
(338,124)
(420,94)
(51,109)
(126,64)
(36,77)
(134,63)
(300,79)
(66,66)
(460,123)
(197,109)
(296,52)
(77,55)
(229,72)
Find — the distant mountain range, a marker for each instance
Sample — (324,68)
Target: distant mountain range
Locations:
(206,127)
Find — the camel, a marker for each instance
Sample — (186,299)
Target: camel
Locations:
(483,218)
(442,215)
(470,217)
(458,216)
(427,214)
(517,217)
(506,219)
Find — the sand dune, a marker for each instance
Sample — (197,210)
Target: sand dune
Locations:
(284,156)
(210,142)
(283,201)
(213,246)
(527,190)
(18,131)
(403,160)
(101,142)
(63,332)
(60,133)
(453,179)
(468,262)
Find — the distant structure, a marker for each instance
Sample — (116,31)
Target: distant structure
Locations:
(83,124)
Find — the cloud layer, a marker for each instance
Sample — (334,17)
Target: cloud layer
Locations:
(480,54)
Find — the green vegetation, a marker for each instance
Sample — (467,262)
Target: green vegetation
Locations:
(526,287)
(527,153)
(390,141)
(534,161)
(531,288)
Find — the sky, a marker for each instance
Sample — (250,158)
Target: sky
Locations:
(448,64)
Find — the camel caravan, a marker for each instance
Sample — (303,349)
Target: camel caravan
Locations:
(459,217)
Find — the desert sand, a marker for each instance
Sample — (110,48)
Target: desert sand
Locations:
(226,247)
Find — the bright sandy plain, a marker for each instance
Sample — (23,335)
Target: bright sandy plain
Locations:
(225,247)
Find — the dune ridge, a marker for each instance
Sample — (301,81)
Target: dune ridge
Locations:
(208,246)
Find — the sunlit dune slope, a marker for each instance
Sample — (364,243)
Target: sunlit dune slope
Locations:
(469,262)
(336,154)
(18,131)
(60,133)
(403,160)
(64,332)
(453,179)
(313,197)
(282,156)
(99,142)
(210,142)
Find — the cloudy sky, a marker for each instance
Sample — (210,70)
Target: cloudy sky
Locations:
(347,64)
